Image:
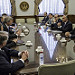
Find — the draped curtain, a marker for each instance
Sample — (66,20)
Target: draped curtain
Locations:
(5,7)
(66,6)
(13,10)
(51,6)
(36,9)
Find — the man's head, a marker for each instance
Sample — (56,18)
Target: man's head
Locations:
(45,14)
(2,18)
(4,14)
(56,16)
(8,20)
(3,38)
(50,15)
(65,18)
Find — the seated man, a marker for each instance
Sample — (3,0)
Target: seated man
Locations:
(3,15)
(5,54)
(45,19)
(6,27)
(57,21)
(1,27)
(70,34)
(66,26)
(51,19)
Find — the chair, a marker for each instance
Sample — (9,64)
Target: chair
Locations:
(73,26)
(67,68)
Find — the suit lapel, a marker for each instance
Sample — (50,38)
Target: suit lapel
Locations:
(2,52)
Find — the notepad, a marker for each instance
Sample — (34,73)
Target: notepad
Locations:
(20,42)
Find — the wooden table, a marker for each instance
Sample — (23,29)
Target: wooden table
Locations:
(52,50)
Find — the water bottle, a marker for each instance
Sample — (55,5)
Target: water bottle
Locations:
(41,58)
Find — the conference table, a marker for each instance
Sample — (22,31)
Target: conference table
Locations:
(54,51)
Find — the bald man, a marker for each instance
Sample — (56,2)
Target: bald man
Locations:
(66,25)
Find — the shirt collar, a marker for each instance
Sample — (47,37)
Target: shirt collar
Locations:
(7,26)
(0,48)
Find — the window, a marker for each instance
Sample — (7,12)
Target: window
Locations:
(51,6)
(5,7)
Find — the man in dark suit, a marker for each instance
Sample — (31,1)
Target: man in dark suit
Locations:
(57,21)
(70,34)
(6,27)
(66,26)
(3,15)
(5,54)
(45,19)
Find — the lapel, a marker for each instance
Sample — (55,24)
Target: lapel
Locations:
(5,27)
(66,24)
(3,53)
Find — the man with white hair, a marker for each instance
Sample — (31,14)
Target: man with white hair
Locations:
(6,27)
(5,54)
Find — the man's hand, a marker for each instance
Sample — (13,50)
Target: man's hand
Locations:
(15,40)
(18,32)
(45,23)
(59,24)
(24,55)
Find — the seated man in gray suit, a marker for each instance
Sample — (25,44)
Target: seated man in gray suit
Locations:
(51,19)
(5,54)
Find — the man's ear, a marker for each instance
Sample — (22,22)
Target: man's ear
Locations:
(2,44)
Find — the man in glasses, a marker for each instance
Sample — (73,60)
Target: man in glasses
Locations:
(57,21)
(66,26)
(5,56)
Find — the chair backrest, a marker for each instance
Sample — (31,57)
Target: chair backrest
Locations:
(73,26)
(70,49)
(67,68)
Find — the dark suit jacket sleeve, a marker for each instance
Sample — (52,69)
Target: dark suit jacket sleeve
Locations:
(11,44)
(12,36)
(73,31)
(45,19)
(67,28)
(10,52)
(7,67)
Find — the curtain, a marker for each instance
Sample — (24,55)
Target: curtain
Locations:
(66,6)
(51,6)
(13,11)
(36,9)
(5,7)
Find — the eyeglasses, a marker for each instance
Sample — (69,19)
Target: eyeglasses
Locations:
(55,17)
(63,18)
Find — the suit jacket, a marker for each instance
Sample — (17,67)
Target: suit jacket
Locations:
(45,19)
(10,44)
(5,66)
(6,29)
(73,33)
(66,27)
(11,33)
(50,21)
(55,26)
